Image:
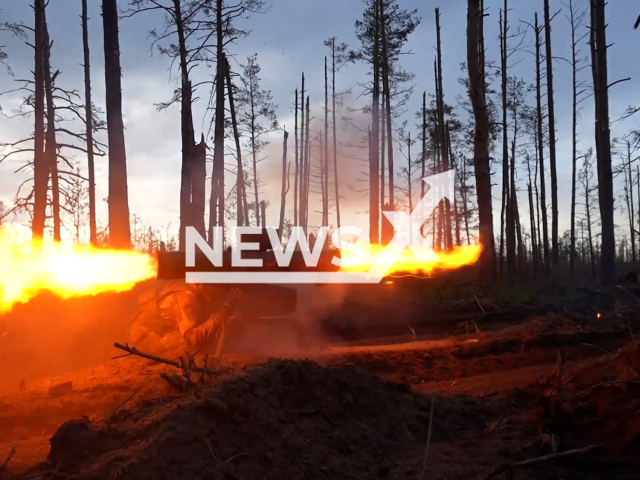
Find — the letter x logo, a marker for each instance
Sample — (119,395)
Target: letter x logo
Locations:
(407,227)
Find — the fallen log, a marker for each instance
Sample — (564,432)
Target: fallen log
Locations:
(546,458)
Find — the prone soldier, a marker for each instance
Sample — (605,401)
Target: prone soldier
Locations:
(182,315)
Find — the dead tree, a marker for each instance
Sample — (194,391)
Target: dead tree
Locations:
(325,159)
(285,185)
(51,147)
(481,138)
(576,19)
(374,165)
(297,163)
(307,155)
(385,70)
(627,170)
(338,59)
(555,258)
(202,31)
(216,204)
(303,162)
(539,113)
(532,221)
(408,171)
(119,229)
(242,213)
(444,150)
(40,167)
(506,203)
(455,202)
(603,139)
(89,123)
(586,180)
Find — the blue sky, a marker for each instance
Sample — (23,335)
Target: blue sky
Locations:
(288,40)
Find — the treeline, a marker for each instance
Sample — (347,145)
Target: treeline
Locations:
(502,130)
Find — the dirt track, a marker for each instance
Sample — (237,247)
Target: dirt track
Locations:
(503,360)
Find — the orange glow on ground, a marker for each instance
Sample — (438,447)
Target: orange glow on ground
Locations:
(66,270)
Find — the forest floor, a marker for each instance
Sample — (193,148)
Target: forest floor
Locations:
(476,381)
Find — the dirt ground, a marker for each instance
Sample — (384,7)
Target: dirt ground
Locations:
(357,408)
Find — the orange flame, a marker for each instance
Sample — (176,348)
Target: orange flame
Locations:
(408,263)
(67,270)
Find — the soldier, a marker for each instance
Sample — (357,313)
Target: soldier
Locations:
(182,315)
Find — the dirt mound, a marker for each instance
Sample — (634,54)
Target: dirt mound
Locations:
(603,395)
(283,419)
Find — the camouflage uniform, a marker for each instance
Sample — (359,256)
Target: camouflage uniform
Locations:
(180,314)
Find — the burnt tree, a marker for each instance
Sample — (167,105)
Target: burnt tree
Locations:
(603,139)
(40,167)
(555,258)
(477,96)
(88,119)
(119,229)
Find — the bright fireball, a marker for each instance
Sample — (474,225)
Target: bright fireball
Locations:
(67,270)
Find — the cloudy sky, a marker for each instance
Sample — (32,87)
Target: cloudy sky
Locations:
(289,40)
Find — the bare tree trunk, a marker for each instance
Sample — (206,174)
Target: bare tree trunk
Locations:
(374,165)
(603,139)
(438,159)
(325,158)
(543,199)
(574,134)
(638,185)
(383,146)
(465,201)
(410,193)
(254,158)
(88,118)
(241,191)
(481,140)
(552,137)
(297,160)
(631,206)
(307,169)
(538,220)
(285,185)
(592,254)
(387,98)
(303,148)
(335,136)
(51,147)
(444,150)
(455,202)
(532,220)
(436,211)
(423,159)
(40,167)
(506,190)
(216,204)
(119,229)
(198,161)
(516,233)
(187,215)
